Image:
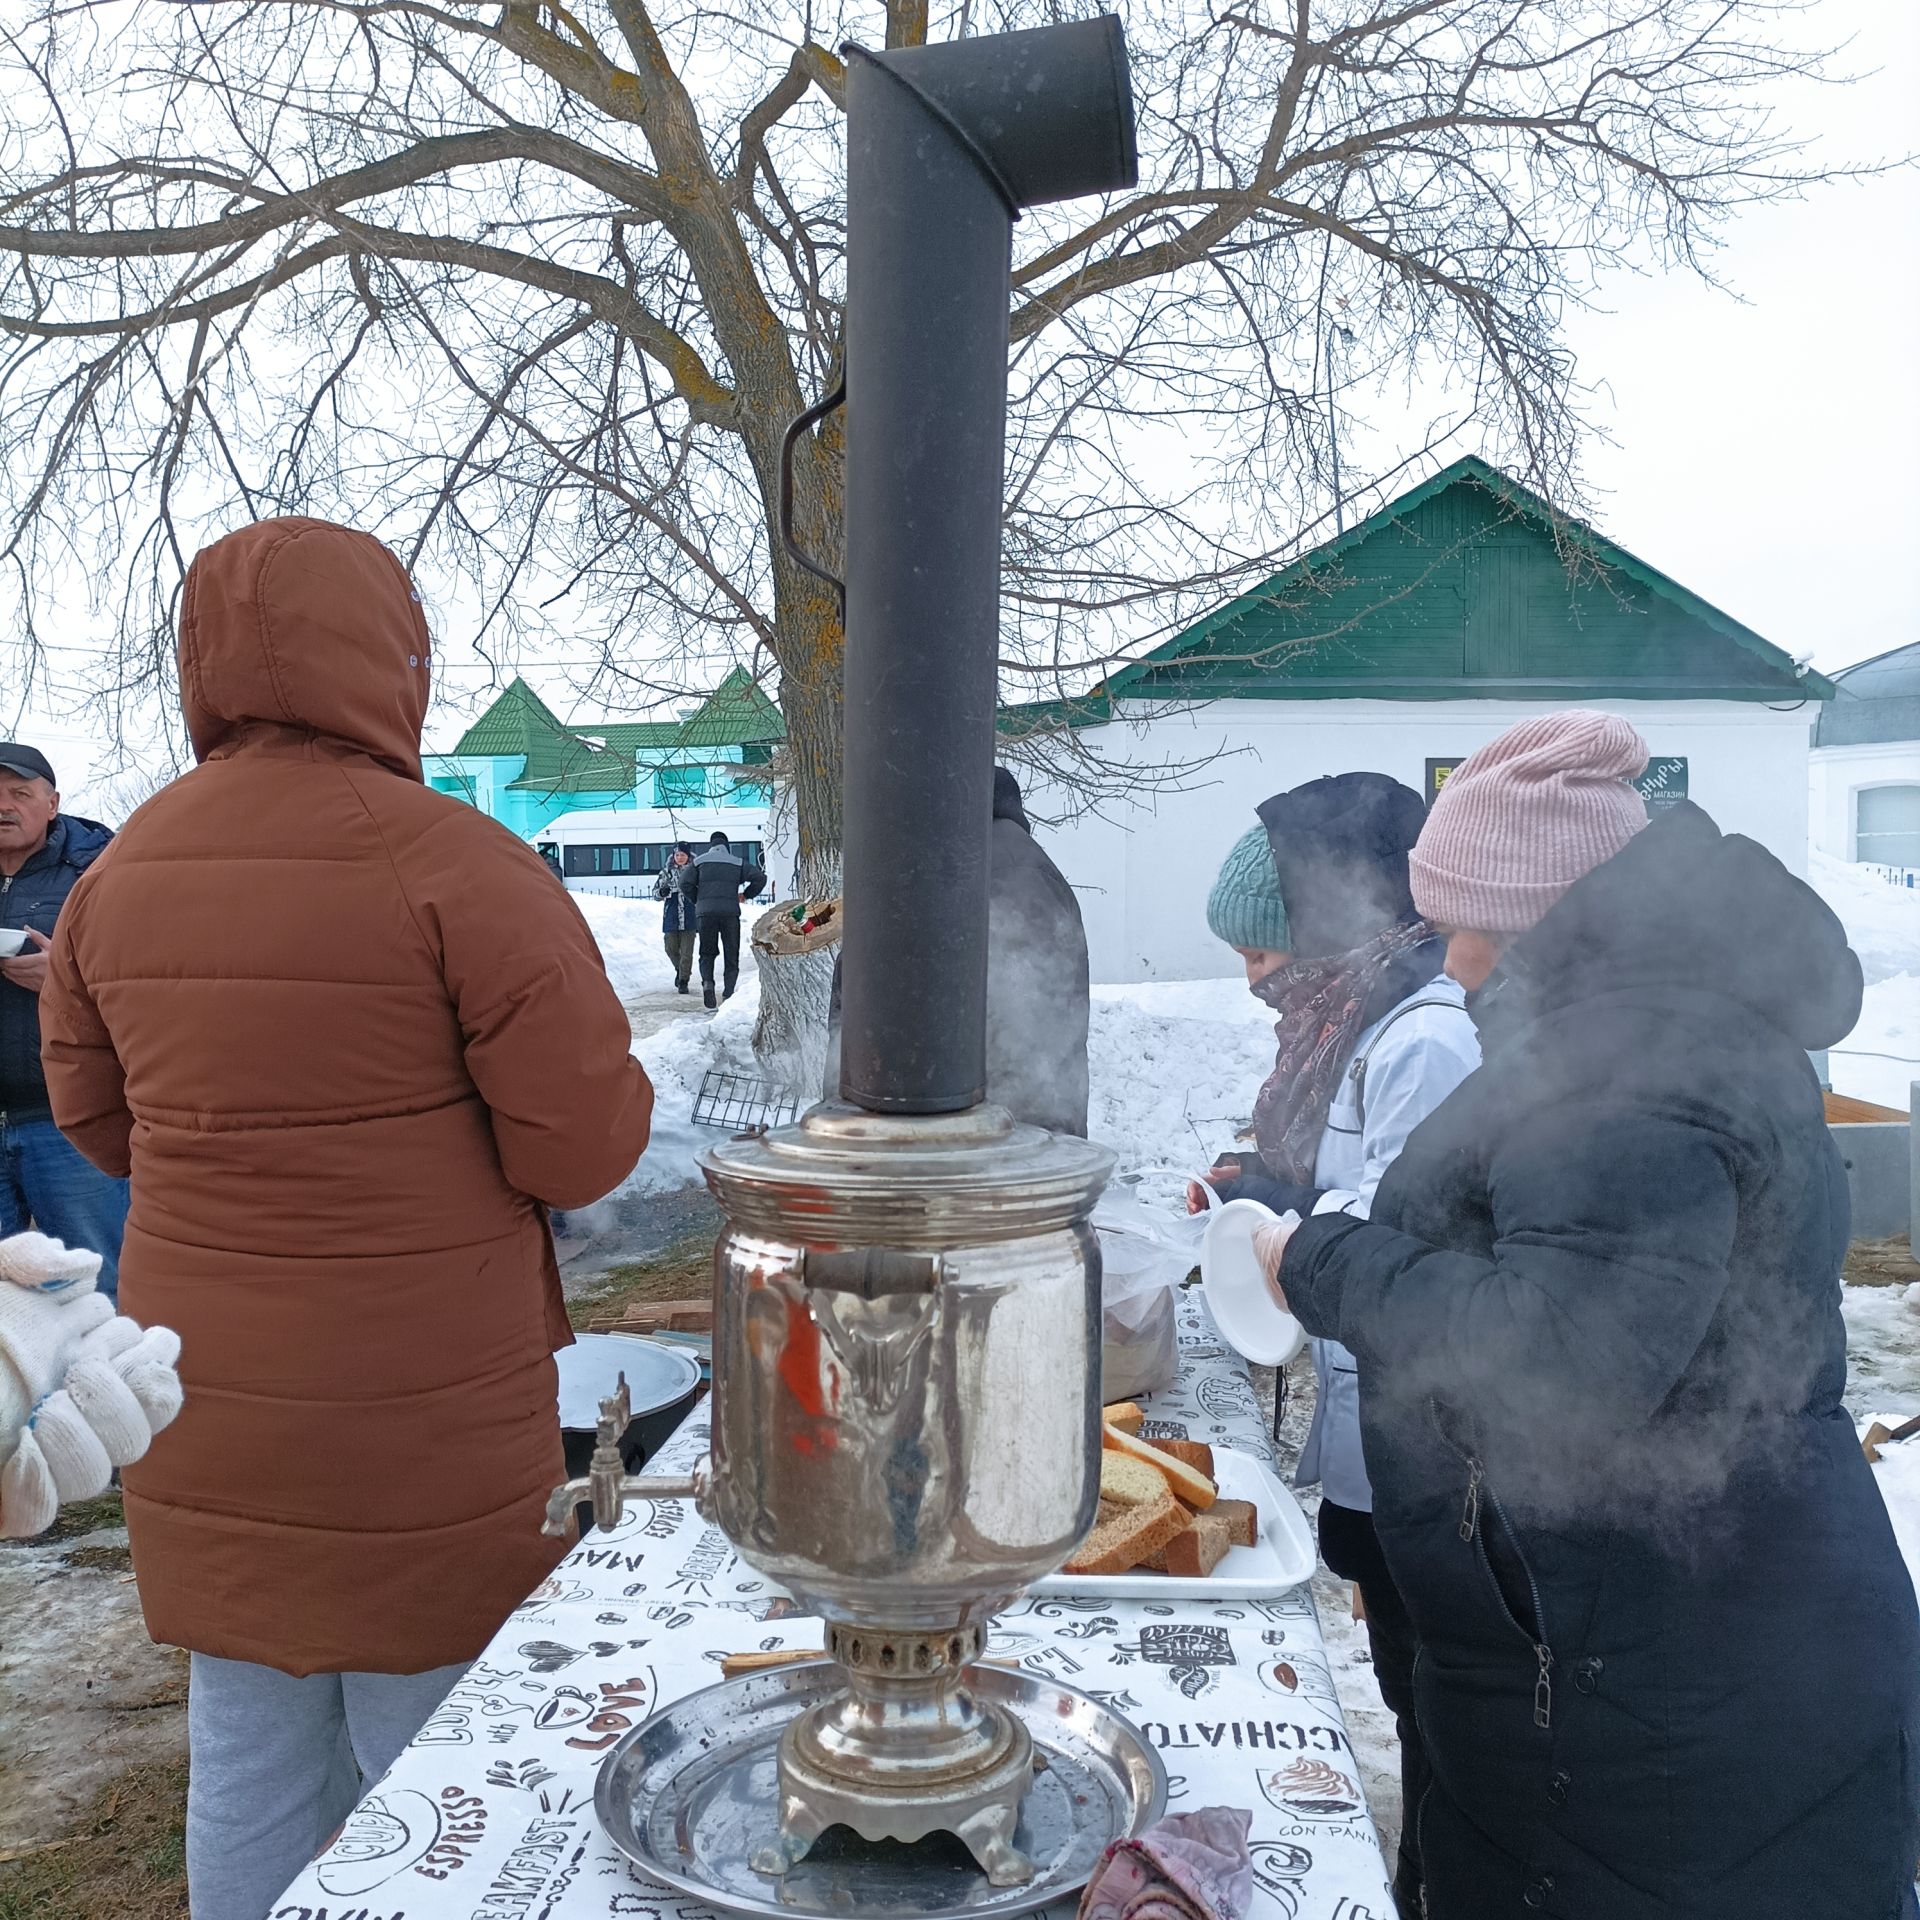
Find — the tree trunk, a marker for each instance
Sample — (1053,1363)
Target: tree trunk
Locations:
(790,1037)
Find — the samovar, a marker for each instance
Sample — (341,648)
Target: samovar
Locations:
(906,1361)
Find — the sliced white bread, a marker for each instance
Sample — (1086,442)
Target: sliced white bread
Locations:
(1188,1482)
(1138,1516)
(1127,1415)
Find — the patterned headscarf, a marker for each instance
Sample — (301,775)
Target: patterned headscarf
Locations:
(1324,1006)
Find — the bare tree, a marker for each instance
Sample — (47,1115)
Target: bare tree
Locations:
(535,289)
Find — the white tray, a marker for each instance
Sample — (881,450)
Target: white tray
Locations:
(1281,1558)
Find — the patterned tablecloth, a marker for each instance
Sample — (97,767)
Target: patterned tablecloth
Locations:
(489,1814)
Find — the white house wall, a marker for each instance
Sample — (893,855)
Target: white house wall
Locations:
(1835,776)
(1144,870)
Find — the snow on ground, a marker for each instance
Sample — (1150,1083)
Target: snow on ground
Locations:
(1173,1067)
(1883,1383)
(1880,1059)
(628,932)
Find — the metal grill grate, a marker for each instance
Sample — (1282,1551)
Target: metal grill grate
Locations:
(741,1103)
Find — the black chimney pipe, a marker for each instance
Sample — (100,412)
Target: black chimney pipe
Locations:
(945,145)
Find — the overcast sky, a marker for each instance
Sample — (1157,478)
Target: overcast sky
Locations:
(1762,444)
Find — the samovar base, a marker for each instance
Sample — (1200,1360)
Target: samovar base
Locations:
(905,1750)
(981,1811)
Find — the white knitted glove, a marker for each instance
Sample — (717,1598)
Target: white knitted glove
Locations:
(82,1390)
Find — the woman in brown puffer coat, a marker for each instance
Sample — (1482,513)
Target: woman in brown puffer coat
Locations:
(351,1039)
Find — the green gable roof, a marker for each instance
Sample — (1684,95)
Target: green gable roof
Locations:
(1470,585)
(521,725)
(515,719)
(735,714)
(562,759)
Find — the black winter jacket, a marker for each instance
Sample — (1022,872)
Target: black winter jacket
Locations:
(1039,997)
(33,897)
(719,880)
(1670,1659)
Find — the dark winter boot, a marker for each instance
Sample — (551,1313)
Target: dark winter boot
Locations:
(707,995)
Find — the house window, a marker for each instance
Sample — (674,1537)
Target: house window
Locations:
(1887,826)
(679,786)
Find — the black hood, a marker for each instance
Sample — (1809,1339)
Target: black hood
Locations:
(1684,905)
(1007,804)
(1340,847)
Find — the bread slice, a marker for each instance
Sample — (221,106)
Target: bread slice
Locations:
(1194,1554)
(1193,1453)
(1138,1516)
(1243,1521)
(1190,1484)
(1124,1414)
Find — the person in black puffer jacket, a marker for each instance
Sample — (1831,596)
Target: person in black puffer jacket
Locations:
(1039,1000)
(1670,1657)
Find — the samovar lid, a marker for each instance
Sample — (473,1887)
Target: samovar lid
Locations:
(843,1176)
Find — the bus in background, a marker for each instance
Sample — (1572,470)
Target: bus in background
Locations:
(623,850)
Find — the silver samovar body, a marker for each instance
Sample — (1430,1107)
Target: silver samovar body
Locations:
(906,1434)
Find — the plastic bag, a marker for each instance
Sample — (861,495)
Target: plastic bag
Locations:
(1146,1251)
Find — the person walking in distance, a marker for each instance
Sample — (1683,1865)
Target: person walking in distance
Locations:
(353,1042)
(45,1181)
(718,881)
(676,923)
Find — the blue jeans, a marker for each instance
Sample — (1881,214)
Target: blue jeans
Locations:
(47,1182)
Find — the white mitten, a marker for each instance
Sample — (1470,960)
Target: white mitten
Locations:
(107,1404)
(28,1501)
(149,1368)
(46,1311)
(42,1265)
(82,1390)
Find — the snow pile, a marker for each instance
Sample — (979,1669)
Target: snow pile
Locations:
(677,1058)
(1882,920)
(1899,1476)
(628,933)
(1880,1059)
(1173,1067)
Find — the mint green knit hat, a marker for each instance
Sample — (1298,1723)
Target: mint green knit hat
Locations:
(1245,909)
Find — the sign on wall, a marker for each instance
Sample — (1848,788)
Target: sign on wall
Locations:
(1664,784)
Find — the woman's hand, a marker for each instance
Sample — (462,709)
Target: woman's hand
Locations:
(1220,1176)
(1270,1249)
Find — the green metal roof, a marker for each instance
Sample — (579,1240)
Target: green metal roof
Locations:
(1468,585)
(735,714)
(563,759)
(636,733)
(516,718)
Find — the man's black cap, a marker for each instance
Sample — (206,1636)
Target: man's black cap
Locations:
(16,757)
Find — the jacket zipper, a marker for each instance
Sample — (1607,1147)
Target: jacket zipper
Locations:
(1469,1527)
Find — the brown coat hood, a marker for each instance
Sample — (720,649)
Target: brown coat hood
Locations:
(300,624)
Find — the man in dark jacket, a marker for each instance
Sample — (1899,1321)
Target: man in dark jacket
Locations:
(1670,1660)
(676,923)
(716,884)
(1037,979)
(43,1181)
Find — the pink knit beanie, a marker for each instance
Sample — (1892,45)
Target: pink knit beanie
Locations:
(1524,818)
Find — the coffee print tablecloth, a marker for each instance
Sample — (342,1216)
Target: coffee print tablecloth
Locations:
(489,1814)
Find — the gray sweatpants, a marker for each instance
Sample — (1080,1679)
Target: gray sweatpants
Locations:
(276,1763)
